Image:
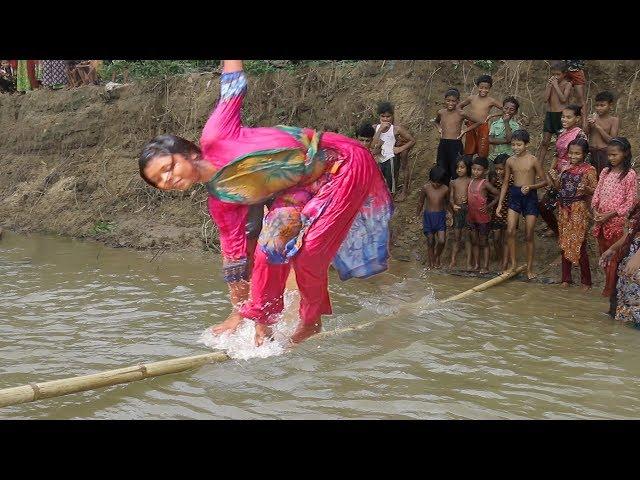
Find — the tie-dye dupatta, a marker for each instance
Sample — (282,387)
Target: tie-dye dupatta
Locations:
(257,176)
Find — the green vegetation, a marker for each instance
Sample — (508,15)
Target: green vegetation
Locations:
(488,65)
(102,226)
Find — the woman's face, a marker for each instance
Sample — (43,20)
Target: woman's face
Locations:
(575,154)
(172,172)
(568,119)
(615,154)
(509,109)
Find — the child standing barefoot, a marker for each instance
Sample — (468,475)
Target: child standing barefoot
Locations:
(458,202)
(575,184)
(449,123)
(612,200)
(477,134)
(570,120)
(479,218)
(434,216)
(499,223)
(523,198)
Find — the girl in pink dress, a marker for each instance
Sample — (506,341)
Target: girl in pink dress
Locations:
(326,198)
(612,200)
(570,131)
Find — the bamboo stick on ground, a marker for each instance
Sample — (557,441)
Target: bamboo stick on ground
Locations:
(66,386)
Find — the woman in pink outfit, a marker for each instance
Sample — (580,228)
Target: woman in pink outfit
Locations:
(326,199)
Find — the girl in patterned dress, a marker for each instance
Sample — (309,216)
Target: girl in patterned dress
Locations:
(570,131)
(612,200)
(628,287)
(575,185)
(331,205)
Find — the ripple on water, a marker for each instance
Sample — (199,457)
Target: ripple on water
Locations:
(516,351)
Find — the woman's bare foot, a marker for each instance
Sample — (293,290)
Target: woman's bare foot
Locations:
(263,332)
(229,325)
(305,331)
(586,288)
(564,284)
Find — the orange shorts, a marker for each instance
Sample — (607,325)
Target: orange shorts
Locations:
(477,140)
(576,78)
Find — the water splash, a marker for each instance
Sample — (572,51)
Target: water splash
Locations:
(241,345)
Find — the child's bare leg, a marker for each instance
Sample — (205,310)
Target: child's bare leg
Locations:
(430,244)
(475,246)
(484,246)
(530,223)
(457,235)
(440,241)
(469,248)
(505,251)
(404,173)
(512,223)
(544,146)
(497,244)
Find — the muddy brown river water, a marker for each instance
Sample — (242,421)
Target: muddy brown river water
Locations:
(518,350)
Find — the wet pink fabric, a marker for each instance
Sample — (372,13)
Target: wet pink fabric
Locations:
(342,197)
(562,146)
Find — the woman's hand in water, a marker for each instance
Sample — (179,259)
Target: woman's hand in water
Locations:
(606,257)
(633,265)
(229,325)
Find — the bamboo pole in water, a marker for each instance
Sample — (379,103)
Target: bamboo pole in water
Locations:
(66,386)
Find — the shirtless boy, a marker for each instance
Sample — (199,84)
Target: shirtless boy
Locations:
(477,136)
(459,205)
(449,123)
(601,128)
(523,198)
(434,215)
(556,96)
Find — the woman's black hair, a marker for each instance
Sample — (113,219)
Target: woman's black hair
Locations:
(438,174)
(385,107)
(482,161)
(164,145)
(484,79)
(366,130)
(512,100)
(452,92)
(623,144)
(501,159)
(583,144)
(576,109)
(521,135)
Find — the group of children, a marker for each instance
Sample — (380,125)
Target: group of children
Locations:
(590,179)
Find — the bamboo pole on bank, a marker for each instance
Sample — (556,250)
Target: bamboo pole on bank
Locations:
(66,386)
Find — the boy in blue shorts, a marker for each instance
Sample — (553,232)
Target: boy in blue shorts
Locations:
(434,215)
(523,196)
